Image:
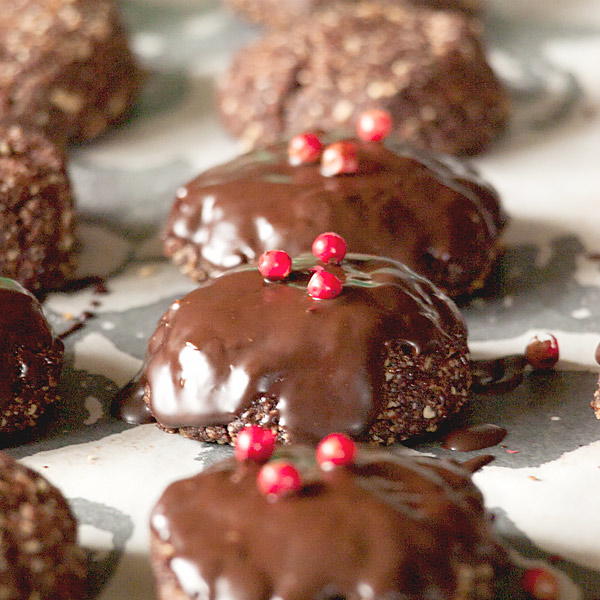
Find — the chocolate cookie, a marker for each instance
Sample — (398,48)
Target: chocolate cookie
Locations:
(283,13)
(387,526)
(36,210)
(427,68)
(39,556)
(384,361)
(30,359)
(431,213)
(67,66)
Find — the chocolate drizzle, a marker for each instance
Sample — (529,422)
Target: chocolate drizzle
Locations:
(435,216)
(475,437)
(24,333)
(397,526)
(240,338)
(129,406)
(498,374)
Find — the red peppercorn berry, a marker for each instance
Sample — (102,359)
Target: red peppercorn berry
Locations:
(329,247)
(275,265)
(324,286)
(542,351)
(339,158)
(278,478)
(374,125)
(335,450)
(540,584)
(255,443)
(304,148)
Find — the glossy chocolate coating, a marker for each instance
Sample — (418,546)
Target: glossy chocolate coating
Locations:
(391,526)
(239,337)
(24,332)
(434,215)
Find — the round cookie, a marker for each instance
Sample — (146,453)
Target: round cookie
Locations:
(66,66)
(388,526)
(39,556)
(283,13)
(30,359)
(427,68)
(36,210)
(384,361)
(433,214)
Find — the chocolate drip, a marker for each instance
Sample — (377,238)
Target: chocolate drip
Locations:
(399,526)
(129,405)
(475,437)
(24,333)
(435,216)
(83,318)
(322,361)
(95,281)
(477,462)
(499,374)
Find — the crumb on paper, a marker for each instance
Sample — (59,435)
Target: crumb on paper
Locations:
(146,271)
(533,478)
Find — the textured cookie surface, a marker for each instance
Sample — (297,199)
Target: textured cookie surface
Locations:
(389,526)
(434,215)
(65,66)
(426,67)
(30,359)
(283,13)
(39,557)
(385,360)
(36,210)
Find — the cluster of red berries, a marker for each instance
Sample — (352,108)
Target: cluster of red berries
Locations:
(542,351)
(340,157)
(280,478)
(276,265)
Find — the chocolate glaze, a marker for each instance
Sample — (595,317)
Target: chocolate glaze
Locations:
(597,354)
(238,338)
(22,326)
(477,462)
(498,374)
(475,437)
(129,406)
(395,525)
(434,215)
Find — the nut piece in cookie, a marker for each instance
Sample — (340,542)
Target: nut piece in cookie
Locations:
(427,68)
(434,214)
(386,526)
(30,359)
(67,66)
(39,556)
(36,210)
(371,349)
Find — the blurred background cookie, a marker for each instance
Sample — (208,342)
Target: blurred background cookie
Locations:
(427,68)
(65,66)
(39,556)
(36,210)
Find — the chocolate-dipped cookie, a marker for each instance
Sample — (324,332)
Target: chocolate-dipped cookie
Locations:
(36,210)
(283,13)
(30,359)
(39,556)
(386,526)
(434,214)
(427,67)
(66,66)
(383,361)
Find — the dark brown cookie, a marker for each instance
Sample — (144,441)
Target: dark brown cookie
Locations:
(427,68)
(39,556)
(388,526)
(36,210)
(435,215)
(30,359)
(383,361)
(67,68)
(283,13)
